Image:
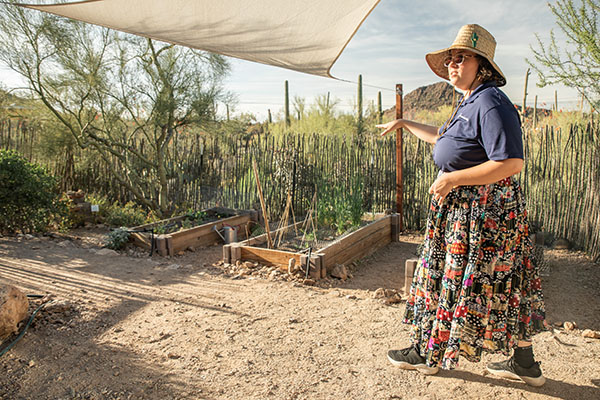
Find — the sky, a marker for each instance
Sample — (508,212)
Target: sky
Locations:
(390,48)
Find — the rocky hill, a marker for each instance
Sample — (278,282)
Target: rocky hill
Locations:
(429,97)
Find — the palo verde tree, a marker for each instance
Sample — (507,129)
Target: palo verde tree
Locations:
(578,64)
(124,97)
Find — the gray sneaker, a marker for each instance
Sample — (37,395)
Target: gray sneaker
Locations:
(511,370)
(410,358)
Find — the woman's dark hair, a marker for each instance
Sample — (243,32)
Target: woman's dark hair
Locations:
(487,73)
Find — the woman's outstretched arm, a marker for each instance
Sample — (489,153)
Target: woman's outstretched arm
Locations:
(424,132)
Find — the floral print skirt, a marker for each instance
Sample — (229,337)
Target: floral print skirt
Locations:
(476,286)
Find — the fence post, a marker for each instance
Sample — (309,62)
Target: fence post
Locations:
(524,109)
(399,187)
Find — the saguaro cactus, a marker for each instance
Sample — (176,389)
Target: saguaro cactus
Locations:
(379,109)
(287,104)
(359,124)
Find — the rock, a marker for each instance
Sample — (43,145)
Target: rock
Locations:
(340,272)
(181,253)
(13,309)
(379,293)
(395,298)
(351,297)
(66,243)
(173,266)
(58,307)
(569,326)
(249,264)
(309,282)
(191,248)
(562,244)
(273,275)
(107,252)
(291,265)
(29,237)
(588,333)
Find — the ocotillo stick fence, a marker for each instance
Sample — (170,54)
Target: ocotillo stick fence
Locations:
(561,177)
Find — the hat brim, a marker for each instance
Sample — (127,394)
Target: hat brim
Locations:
(436,59)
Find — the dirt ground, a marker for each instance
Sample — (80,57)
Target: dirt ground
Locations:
(128,326)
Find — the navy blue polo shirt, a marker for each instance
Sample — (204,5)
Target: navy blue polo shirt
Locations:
(486,127)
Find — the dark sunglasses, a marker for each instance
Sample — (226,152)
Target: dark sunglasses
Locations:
(457,59)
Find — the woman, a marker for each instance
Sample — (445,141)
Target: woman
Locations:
(475,287)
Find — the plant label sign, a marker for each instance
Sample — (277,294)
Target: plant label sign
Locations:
(95,208)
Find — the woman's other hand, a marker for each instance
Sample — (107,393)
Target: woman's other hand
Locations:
(390,126)
(441,187)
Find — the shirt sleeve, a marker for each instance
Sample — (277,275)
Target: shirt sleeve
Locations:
(501,135)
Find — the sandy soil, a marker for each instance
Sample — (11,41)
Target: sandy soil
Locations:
(129,326)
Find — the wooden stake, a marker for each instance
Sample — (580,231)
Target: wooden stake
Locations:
(262,205)
(524,108)
(399,188)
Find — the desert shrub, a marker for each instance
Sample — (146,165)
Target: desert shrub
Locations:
(29,197)
(130,215)
(103,205)
(116,238)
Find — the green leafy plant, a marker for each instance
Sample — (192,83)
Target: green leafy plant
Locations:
(128,215)
(339,207)
(117,238)
(196,215)
(29,198)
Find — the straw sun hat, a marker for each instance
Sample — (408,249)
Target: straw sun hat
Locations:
(470,37)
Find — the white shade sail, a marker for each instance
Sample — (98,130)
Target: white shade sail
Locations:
(303,35)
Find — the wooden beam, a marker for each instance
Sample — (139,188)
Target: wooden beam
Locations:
(355,237)
(274,257)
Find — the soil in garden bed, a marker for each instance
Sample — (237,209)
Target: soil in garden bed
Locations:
(191,220)
(298,240)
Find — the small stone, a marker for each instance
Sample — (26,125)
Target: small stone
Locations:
(291,265)
(173,356)
(191,248)
(249,264)
(66,243)
(107,252)
(569,326)
(340,272)
(396,298)
(588,333)
(309,282)
(32,363)
(173,266)
(181,253)
(351,297)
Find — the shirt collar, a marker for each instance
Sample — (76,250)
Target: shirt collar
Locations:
(477,92)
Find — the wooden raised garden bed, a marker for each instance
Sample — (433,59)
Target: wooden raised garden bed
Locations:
(344,250)
(169,244)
